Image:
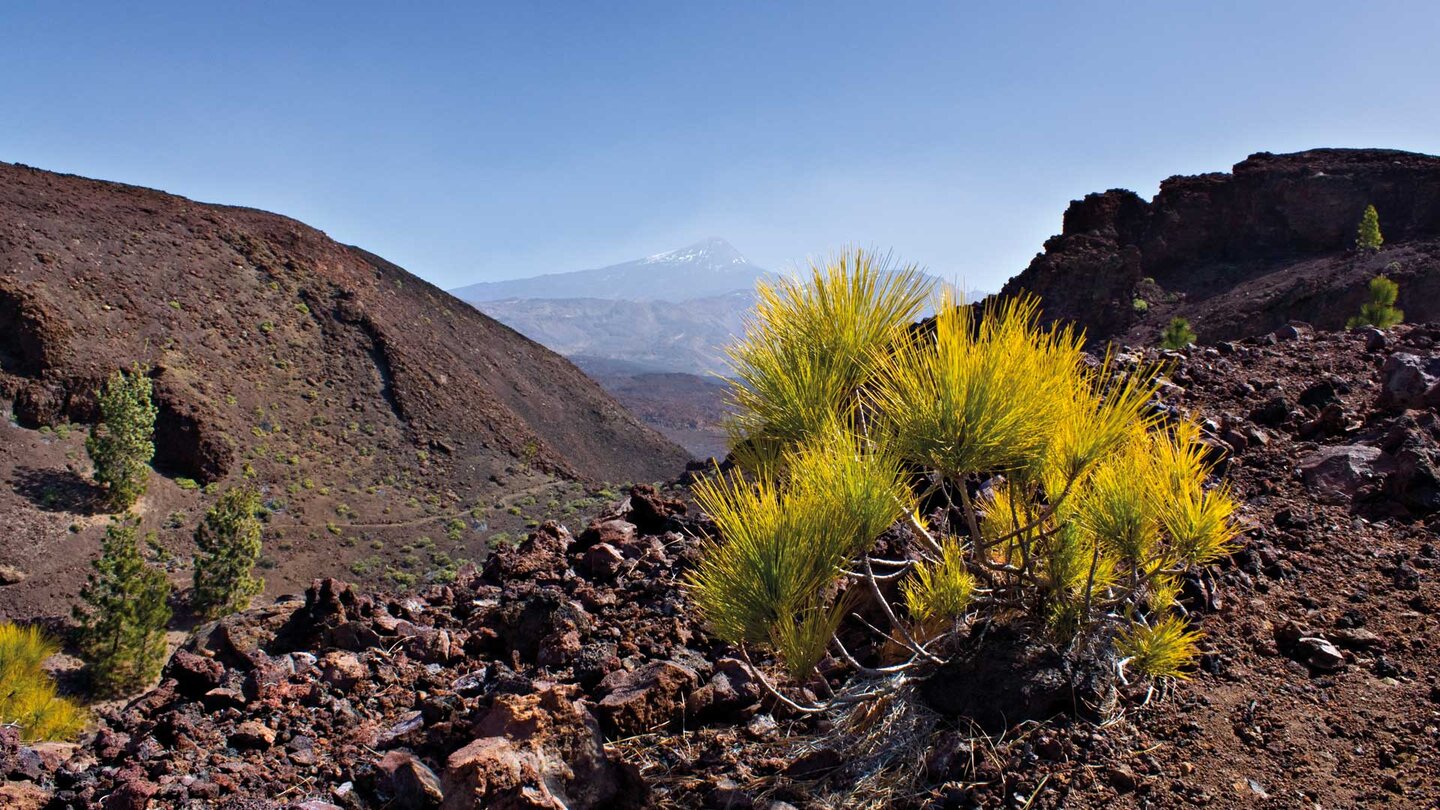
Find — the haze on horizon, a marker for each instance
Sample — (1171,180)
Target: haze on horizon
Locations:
(472,143)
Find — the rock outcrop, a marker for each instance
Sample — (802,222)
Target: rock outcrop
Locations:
(1243,253)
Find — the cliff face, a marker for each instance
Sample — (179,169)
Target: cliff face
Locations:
(1248,250)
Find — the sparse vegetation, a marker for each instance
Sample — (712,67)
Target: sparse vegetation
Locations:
(1177,334)
(122,442)
(1379,311)
(227,546)
(27,694)
(1367,237)
(1058,501)
(124,613)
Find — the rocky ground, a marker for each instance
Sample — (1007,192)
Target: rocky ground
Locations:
(569,673)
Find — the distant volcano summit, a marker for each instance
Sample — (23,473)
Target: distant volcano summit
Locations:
(707,268)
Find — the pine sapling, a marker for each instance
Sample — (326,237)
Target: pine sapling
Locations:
(1177,335)
(124,614)
(228,545)
(1368,238)
(122,442)
(1379,311)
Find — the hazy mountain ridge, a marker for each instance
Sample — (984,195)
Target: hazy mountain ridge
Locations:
(685,336)
(707,268)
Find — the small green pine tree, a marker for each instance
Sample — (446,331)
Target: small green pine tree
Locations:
(125,611)
(1368,238)
(228,544)
(1177,335)
(122,443)
(1380,310)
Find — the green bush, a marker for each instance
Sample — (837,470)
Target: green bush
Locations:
(27,693)
(122,442)
(124,613)
(1177,334)
(1140,306)
(1092,514)
(1379,311)
(227,545)
(1367,237)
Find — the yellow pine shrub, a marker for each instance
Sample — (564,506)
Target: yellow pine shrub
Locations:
(27,694)
(847,418)
(803,359)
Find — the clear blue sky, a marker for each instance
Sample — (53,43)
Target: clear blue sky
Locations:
(476,141)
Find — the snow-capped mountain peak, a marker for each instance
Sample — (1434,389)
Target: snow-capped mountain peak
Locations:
(714,252)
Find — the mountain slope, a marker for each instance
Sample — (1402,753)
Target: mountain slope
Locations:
(1244,252)
(708,268)
(686,336)
(279,354)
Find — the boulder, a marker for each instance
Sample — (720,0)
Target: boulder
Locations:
(24,796)
(10,575)
(602,562)
(652,512)
(541,750)
(406,783)
(251,735)
(1404,380)
(541,557)
(342,670)
(194,675)
(648,698)
(1338,472)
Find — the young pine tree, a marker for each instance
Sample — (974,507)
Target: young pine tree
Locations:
(1379,311)
(27,693)
(228,543)
(122,622)
(122,443)
(1177,335)
(1368,237)
(1089,513)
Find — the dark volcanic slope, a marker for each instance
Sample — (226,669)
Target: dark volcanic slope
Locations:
(1242,253)
(242,303)
(281,354)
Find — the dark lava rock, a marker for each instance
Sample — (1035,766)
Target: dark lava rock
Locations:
(1006,677)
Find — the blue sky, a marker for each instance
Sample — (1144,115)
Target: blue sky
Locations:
(478,141)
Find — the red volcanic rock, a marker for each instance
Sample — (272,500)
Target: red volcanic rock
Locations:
(538,751)
(643,700)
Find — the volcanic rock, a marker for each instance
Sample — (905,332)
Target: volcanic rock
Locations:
(646,699)
(542,750)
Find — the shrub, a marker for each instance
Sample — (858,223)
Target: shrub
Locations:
(124,614)
(1177,335)
(1367,237)
(27,693)
(1379,311)
(121,443)
(804,353)
(1140,306)
(227,545)
(1057,499)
